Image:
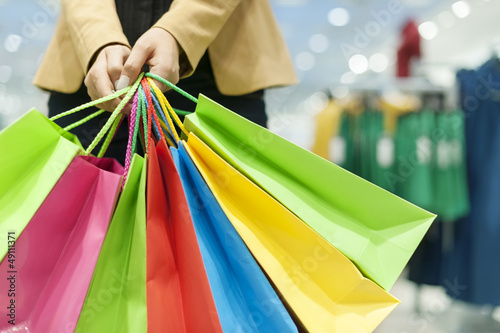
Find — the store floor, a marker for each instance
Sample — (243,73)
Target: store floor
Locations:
(438,313)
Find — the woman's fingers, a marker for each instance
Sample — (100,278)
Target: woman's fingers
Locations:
(105,70)
(156,48)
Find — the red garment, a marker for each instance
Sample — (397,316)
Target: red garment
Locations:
(410,48)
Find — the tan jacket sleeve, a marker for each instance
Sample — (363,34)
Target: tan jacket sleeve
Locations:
(195,24)
(92,24)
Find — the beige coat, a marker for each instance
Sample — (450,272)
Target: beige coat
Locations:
(246,49)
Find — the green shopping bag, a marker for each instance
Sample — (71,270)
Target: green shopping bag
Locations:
(116,300)
(34,153)
(375,229)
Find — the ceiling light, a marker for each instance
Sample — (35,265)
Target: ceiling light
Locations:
(338,17)
(358,63)
(461,9)
(428,30)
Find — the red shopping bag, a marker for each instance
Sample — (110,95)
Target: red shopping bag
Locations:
(178,292)
(179,298)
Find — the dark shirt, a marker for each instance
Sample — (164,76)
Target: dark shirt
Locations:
(137,16)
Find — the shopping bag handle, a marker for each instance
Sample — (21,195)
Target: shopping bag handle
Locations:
(110,135)
(80,122)
(133,130)
(114,115)
(164,122)
(169,112)
(182,112)
(152,116)
(88,105)
(172,86)
(142,107)
(112,122)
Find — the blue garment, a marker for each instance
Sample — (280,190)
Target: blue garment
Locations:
(473,265)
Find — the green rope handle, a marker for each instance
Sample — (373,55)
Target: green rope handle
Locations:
(141,139)
(84,120)
(92,103)
(114,115)
(171,85)
(182,112)
(110,136)
(170,116)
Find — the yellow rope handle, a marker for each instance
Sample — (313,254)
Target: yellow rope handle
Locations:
(161,97)
(169,111)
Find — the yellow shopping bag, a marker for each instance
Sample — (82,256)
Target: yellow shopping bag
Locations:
(323,288)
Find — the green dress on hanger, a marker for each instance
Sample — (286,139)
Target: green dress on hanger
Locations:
(450,190)
(415,152)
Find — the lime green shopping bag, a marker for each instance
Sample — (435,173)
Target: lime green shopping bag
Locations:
(34,153)
(375,229)
(116,300)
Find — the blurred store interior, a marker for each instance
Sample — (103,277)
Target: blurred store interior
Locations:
(405,93)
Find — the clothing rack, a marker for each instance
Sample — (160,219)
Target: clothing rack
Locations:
(432,96)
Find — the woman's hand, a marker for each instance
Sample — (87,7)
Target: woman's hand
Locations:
(105,72)
(116,66)
(156,48)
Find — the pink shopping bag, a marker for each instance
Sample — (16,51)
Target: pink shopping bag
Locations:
(46,274)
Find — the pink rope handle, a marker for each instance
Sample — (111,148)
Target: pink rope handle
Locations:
(145,87)
(131,126)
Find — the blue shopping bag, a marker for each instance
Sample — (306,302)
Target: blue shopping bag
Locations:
(243,296)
